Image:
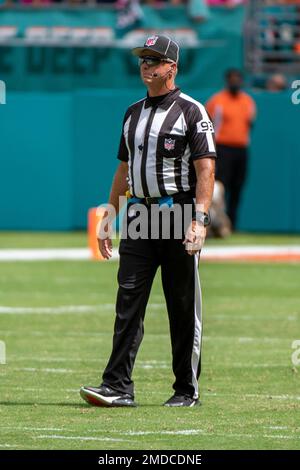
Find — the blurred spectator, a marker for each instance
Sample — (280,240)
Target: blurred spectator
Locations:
(33,2)
(130,14)
(233,112)
(198,10)
(278,30)
(276,82)
(297,30)
(226,3)
(220,225)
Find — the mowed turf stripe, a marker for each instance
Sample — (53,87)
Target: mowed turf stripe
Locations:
(254,396)
(238,339)
(63,309)
(247,322)
(109,307)
(241,365)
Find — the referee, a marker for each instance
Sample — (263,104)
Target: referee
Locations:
(167,159)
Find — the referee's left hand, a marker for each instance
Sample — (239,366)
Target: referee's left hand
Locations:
(194,238)
(104,237)
(105,247)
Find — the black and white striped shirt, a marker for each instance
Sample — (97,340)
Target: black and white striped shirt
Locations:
(161,137)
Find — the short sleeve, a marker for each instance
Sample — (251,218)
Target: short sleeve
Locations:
(123,150)
(201,133)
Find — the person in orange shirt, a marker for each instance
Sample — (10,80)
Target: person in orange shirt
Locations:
(233,112)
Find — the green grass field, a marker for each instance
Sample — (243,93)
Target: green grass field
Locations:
(79,239)
(249,386)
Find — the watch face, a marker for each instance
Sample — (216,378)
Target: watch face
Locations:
(203,218)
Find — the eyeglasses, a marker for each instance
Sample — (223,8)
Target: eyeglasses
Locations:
(151,60)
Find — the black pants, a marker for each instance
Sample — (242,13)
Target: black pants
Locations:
(231,170)
(139,260)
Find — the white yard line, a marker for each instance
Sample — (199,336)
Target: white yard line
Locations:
(82,438)
(44,254)
(18,446)
(277,428)
(190,432)
(108,439)
(182,432)
(249,250)
(275,436)
(8,445)
(30,428)
(185,432)
(158,433)
(46,370)
(212,253)
(254,436)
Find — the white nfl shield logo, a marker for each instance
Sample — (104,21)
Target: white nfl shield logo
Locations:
(169,144)
(151,41)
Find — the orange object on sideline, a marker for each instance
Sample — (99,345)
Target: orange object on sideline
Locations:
(232,117)
(95,216)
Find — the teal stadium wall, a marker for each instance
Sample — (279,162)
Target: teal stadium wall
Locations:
(60,126)
(58,156)
(39,68)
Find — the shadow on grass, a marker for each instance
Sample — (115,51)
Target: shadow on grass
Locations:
(36,403)
(78,405)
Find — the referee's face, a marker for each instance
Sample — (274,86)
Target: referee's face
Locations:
(154,68)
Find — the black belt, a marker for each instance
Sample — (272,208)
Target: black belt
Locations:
(163,199)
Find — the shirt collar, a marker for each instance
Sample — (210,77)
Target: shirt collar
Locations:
(163,101)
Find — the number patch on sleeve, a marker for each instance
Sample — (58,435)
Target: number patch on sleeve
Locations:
(205,126)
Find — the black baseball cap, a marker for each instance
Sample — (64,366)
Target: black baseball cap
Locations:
(162,45)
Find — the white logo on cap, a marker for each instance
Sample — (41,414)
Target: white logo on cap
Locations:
(151,41)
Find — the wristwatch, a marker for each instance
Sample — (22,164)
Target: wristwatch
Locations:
(203,218)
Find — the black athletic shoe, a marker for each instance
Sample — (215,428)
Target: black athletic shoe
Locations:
(182,400)
(105,396)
